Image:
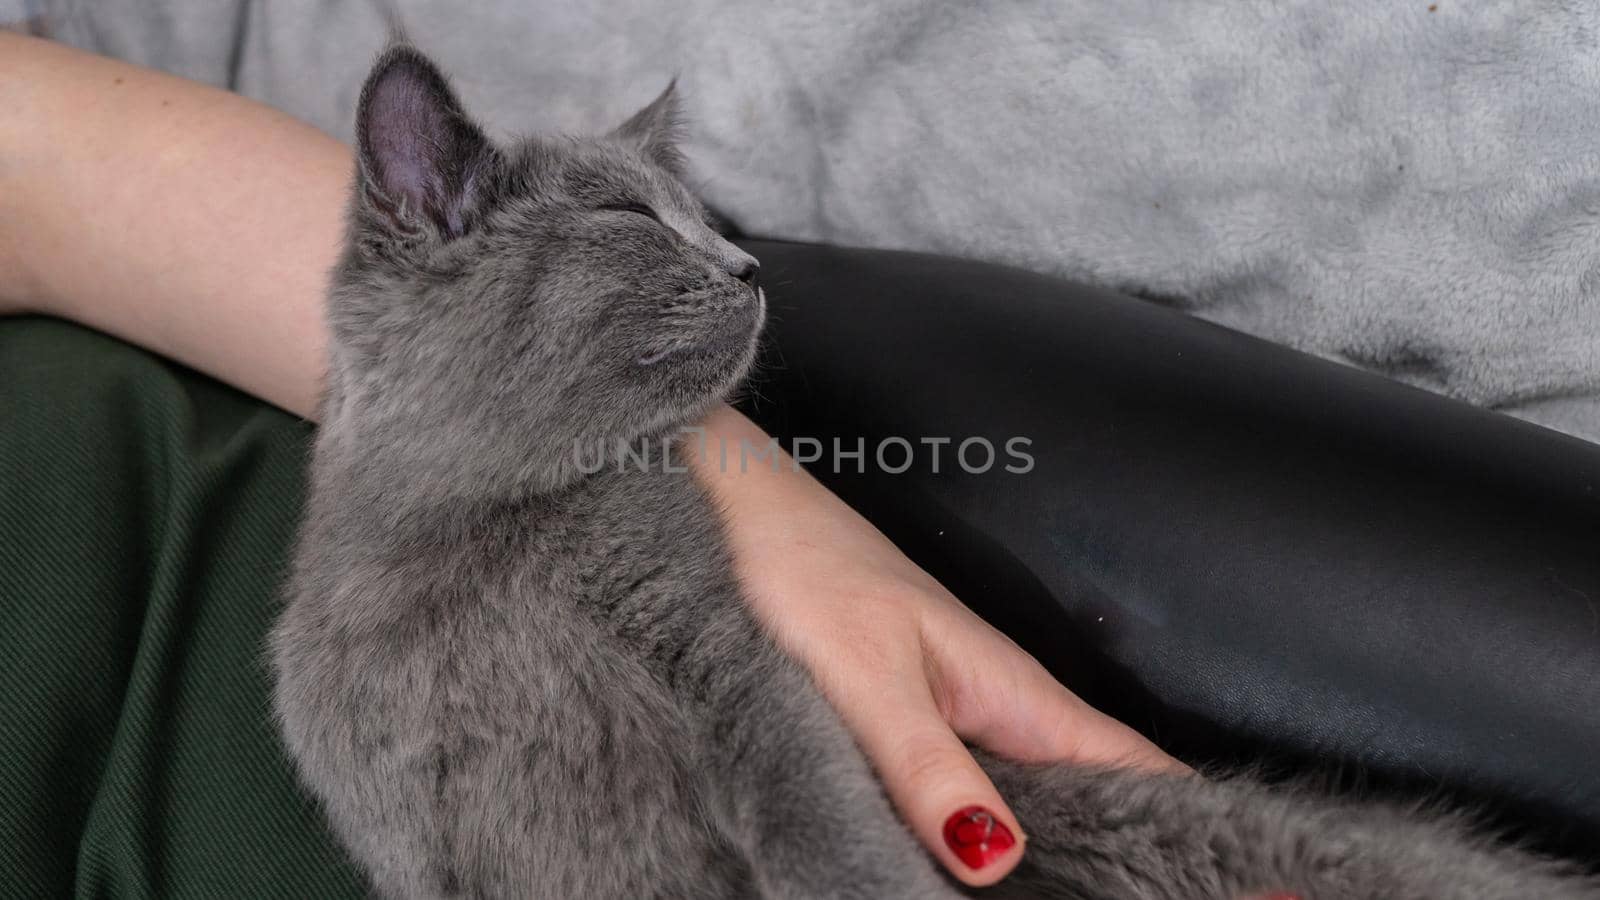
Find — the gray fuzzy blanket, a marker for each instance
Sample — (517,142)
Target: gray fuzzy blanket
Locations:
(1410,187)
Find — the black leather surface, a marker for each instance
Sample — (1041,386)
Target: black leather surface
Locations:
(1245,552)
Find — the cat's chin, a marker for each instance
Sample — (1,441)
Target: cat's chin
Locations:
(731,341)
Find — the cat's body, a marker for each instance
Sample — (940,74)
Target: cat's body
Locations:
(568,697)
(507,676)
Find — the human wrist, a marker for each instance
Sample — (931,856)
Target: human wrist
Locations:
(760,503)
(743,467)
(780,520)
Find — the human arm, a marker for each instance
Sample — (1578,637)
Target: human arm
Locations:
(202,225)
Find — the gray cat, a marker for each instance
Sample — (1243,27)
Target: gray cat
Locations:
(507,675)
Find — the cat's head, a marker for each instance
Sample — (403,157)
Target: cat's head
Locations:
(499,306)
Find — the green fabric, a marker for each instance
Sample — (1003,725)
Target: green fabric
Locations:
(145,517)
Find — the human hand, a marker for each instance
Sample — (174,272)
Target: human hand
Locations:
(912,672)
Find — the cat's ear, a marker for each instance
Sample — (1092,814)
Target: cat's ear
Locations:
(423,163)
(656,130)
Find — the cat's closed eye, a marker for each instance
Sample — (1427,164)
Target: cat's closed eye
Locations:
(636,208)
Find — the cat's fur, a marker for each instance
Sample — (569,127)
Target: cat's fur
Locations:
(506,677)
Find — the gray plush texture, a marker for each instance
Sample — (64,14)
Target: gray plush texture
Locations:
(510,668)
(1411,188)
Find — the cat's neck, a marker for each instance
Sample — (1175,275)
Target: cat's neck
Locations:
(410,485)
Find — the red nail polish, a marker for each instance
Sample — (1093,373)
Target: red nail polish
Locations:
(976,836)
(1280,895)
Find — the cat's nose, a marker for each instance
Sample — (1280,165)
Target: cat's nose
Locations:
(733,261)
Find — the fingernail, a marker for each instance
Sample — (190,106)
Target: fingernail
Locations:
(976,837)
(1280,895)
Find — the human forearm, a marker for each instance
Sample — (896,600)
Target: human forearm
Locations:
(185,219)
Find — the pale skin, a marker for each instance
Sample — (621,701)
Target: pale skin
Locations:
(202,226)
